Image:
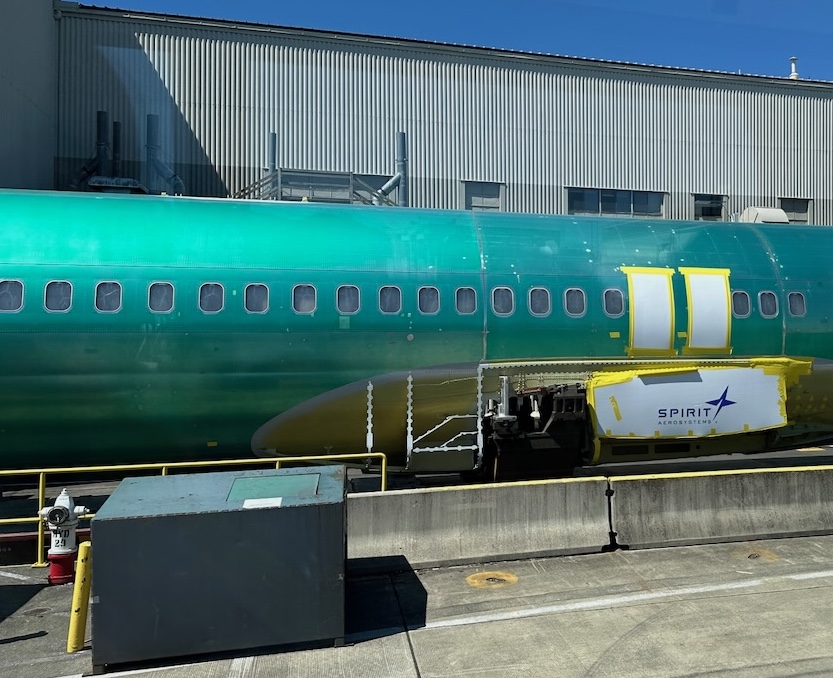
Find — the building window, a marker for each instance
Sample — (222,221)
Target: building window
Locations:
(798,307)
(582,201)
(428,300)
(539,301)
(741,308)
(466,300)
(708,207)
(211,297)
(483,195)
(614,202)
(647,203)
(768,303)
(503,301)
(390,299)
(161,297)
(347,299)
(614,303)
(57,296)
(108,297)
(798,210)
(304,299)
(574,302)
(11,295)
(256,298)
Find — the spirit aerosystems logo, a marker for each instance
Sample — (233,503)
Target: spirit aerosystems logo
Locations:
(698,414)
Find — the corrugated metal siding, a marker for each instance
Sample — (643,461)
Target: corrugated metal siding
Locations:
(533,124)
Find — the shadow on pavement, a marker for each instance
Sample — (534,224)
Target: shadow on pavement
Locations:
(14,597)
(384,597)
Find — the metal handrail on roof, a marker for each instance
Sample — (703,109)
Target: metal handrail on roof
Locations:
(270,187)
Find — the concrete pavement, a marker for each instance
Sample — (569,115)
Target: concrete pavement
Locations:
(743,609)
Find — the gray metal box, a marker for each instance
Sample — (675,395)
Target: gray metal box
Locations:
(215,562)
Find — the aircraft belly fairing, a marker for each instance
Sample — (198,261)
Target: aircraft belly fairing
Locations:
(388,413)
(458,418)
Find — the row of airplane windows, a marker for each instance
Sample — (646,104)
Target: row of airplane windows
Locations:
(57,298)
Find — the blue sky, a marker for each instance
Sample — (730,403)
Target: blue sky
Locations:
(750,36)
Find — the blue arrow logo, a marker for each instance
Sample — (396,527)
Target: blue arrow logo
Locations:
(721,402)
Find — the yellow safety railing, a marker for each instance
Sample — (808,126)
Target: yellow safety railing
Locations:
(165,467)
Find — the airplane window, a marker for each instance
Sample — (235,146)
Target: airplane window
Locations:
(428,299)
(466,300)
(347,299)
(574,302)
(740,304)
(58,296)
(503,301)
(768,303)
(256,298)
(303,299)
(798,307)
(161,297)
(539,301)
(108,297)
(11,295)
(614,303)
(390,299)
(211,297)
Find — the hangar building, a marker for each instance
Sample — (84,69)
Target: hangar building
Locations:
(198,101)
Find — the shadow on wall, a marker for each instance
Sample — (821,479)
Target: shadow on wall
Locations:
(118,69)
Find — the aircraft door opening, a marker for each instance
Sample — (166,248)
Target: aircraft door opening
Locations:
(709,310)
(651,310)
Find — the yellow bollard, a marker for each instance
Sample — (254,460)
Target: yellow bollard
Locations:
(80,599)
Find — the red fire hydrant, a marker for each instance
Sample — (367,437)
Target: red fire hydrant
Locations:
(62,520)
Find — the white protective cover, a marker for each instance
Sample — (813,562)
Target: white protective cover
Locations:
(685,404)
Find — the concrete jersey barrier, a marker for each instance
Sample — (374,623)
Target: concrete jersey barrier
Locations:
(720,506)
(479,523)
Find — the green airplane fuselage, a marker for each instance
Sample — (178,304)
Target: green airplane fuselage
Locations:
(86,385)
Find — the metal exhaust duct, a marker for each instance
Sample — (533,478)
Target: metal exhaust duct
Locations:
(102,132)
(273,165)
(116,149)
(400,179)
(402,169)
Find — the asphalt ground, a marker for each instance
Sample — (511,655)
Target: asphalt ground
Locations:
(744,609)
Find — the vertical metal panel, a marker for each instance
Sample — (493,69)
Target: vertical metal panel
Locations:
(535,124)
(29,78)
